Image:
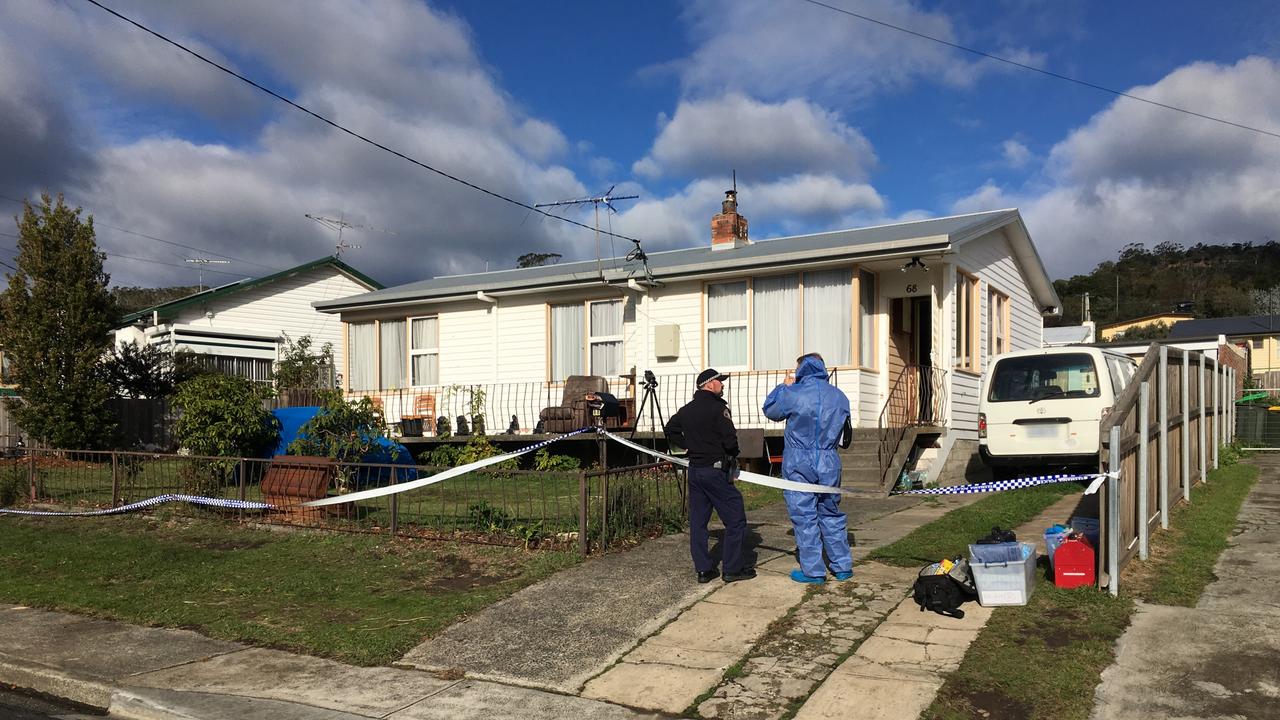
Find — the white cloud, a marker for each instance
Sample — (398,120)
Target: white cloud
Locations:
(1015,154)
(1136,173)
(758,139)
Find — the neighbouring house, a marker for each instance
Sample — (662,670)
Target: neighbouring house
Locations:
(1116,330)
(240,328)
(905,314)
(1260,334)
(1069,335)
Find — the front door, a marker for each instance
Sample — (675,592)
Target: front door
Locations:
(911,349)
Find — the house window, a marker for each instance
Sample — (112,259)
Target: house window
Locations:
(828,315)
(424,351)
(998,322)
(775,308)
(1258,343)
(255,369)
(568,344)
(362,356)
(727,325)
(966,343)
(392,354)
(866,319)
(605,338)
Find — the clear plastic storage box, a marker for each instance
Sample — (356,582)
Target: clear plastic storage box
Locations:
(1004,573)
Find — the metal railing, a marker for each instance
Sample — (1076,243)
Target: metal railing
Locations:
(918,398)
(596,510)
(1160,439)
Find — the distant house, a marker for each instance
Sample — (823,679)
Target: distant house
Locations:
(1116,330)
(906,315)
(1259,334)
(1069,335)
(241,327)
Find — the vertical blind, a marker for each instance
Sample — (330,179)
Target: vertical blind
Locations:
(828,315)
(363,356)
(567,342)
(775,309)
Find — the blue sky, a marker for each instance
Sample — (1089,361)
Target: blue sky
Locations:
(830,122)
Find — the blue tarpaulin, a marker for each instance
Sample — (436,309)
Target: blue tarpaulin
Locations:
(384,450)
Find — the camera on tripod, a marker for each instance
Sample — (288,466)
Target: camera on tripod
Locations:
(650,381)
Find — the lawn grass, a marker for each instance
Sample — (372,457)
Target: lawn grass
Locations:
(950,535)
(355,598)
(1043,660)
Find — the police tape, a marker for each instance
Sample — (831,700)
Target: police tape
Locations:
(440,476)
(1001,485)
(149,502)
(754,478)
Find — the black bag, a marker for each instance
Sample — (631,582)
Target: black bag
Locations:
(944,594)
(998,536)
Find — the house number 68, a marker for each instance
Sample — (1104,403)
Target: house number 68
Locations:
(911,288)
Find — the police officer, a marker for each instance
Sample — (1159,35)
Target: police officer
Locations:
(705,428)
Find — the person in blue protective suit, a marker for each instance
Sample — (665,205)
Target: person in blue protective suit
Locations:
(817,415)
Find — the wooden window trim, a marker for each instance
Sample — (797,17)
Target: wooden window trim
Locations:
(998,303)
(974,321)
(586,332)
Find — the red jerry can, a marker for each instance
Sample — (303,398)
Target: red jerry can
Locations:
(1074,563)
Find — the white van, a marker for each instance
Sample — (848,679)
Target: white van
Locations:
(1042,409)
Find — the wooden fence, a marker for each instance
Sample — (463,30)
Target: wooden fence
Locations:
(1161,438)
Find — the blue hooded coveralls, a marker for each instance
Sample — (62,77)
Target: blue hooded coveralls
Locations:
(815,412)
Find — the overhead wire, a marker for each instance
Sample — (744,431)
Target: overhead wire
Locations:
(138,259)
(1032,68)
(344,129)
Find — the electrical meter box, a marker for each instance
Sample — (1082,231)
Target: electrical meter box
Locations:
(666,341)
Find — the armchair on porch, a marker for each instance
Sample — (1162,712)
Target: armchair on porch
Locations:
(574,410)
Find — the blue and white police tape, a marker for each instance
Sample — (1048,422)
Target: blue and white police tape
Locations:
(440,476)
(1001,485)
(754,478)
(149,502)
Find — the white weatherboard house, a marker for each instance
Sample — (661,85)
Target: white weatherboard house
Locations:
(906,315)
(242,327)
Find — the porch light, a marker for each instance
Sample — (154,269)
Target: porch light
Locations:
(915,262)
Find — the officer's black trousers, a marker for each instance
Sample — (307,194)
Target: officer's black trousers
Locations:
(710,488)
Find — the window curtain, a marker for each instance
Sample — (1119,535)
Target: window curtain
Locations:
(828,315)
(606,321)
(425,336)
(866,318)
(567,344)
(727,303)
(363,349)
(394,353)
(727,346)
(775,308)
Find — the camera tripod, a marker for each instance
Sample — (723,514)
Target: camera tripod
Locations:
(649,400)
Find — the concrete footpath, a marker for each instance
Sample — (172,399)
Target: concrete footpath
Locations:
(1220,659)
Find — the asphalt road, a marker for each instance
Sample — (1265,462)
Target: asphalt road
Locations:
(15,705)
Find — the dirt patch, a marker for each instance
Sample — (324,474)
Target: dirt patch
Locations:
(992,705)
(460,574)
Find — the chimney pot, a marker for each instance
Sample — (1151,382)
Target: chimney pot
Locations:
(728,228)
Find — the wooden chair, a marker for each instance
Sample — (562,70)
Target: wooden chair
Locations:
(424,409)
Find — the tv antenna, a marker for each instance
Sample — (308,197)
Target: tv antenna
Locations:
(200,262)
(339,224)
(606,199)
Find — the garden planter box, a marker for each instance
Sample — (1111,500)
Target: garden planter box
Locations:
(291,480)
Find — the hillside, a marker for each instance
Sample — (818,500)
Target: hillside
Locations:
(131,299)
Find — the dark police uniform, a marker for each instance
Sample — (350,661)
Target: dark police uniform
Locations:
(705,428)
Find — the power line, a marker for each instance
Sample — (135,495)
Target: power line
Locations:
(131,257)
(162,240)
(345,129)
(1033,68)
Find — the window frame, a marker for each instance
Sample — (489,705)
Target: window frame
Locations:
(586,334)
(863,364)
(413,353)
(998,321)
(708,326)
(973,320)
(591,340)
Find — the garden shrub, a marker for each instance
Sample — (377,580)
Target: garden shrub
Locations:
(544,461)
(342,430)
(223,416)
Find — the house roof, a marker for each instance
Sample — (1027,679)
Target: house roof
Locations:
(1176,317)
(1229,326)
(933,235)
(241,285)
(1068,334)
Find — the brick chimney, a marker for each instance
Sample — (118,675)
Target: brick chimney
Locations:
(728,228)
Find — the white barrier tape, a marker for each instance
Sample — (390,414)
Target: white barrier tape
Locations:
(754,478)
(1002,485)
(438,477)
(149,502)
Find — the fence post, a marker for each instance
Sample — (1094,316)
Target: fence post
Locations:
(1144,500)
(1217,410)
(1186,426)
(115,481)
(1204,427)
(1163,419)
(583,545)
(1113,513)
(395,513)
(31,472)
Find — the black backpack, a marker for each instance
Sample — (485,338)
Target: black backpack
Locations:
(944,594)
(997,537)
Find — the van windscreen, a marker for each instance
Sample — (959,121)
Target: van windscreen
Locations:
(1044,377)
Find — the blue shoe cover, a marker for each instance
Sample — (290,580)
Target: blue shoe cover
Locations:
(842,576)
(799,576)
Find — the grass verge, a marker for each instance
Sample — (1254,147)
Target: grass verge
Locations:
(360,599)
(950,535)
(1043,660)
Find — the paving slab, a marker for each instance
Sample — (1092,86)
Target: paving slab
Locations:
(665,688)
(313,681)
(1220,659)
(494,701)
(868,698)
(161,704)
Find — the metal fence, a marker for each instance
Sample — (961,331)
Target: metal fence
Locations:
(595,510)
(1257,423)
(1161,438)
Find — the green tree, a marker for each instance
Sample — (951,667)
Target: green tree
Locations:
(55,322)
(146,371)
(224,416)
(341,430)
(301,369)
(537,259)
